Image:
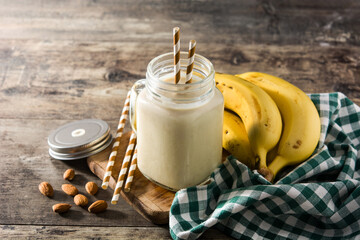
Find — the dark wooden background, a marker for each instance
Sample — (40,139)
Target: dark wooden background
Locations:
(68,60)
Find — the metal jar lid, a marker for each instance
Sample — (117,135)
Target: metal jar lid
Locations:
(79,139)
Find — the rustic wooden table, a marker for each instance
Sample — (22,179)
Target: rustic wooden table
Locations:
(68,60)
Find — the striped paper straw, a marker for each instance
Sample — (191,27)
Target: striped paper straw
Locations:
(124,168)
(176,37)
(189,69)
(119,132)
(132,169)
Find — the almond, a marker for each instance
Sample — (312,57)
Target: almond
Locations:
(91,188)
(81,200)
(69,189)
(46,189)
(69,174)
(61,207)
(98,206)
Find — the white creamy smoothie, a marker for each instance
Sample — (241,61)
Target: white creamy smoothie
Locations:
(179,129)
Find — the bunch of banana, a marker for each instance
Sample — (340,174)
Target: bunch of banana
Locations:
(260,116)
(255,132)
(301,131)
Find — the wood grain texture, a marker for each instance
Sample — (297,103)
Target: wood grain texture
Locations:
(62,61)
(72,85)
(80,232)
(226,22)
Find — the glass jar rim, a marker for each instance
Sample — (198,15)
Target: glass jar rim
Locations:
(196,57)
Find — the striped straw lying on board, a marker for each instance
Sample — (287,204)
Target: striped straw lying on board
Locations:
(119,132)
(191,56)
(176,37)
(132,169)
(124,168)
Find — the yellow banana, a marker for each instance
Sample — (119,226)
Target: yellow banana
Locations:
(301,120)
(235,139)
(259,113)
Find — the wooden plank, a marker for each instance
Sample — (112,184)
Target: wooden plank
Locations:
(91,81)
(61,232)
(90,232)
(227,22)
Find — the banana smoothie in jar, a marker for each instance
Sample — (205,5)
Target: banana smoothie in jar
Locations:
(178,126)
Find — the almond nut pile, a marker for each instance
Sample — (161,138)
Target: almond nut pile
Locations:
(79,199)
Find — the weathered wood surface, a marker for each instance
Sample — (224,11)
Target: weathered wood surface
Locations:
(38,82)
(67,60)
(80,232)
(225,22)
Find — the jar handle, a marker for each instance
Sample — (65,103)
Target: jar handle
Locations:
(135,90)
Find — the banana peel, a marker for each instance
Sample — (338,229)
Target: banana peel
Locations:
(235,139)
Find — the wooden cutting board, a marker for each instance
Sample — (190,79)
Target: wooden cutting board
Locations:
(148,199)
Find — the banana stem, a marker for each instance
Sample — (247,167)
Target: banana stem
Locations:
(277,164)
(262,155)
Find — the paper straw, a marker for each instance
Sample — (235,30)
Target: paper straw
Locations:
(124,168)
(189,69)
(119,132)
(176,37)
(132,169)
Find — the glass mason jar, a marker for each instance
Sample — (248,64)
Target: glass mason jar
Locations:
(178,126)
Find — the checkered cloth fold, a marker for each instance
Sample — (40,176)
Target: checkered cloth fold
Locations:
(319,199)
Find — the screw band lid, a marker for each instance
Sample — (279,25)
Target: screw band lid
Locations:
(79,139)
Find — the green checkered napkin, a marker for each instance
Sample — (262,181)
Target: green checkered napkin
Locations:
(319,199)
